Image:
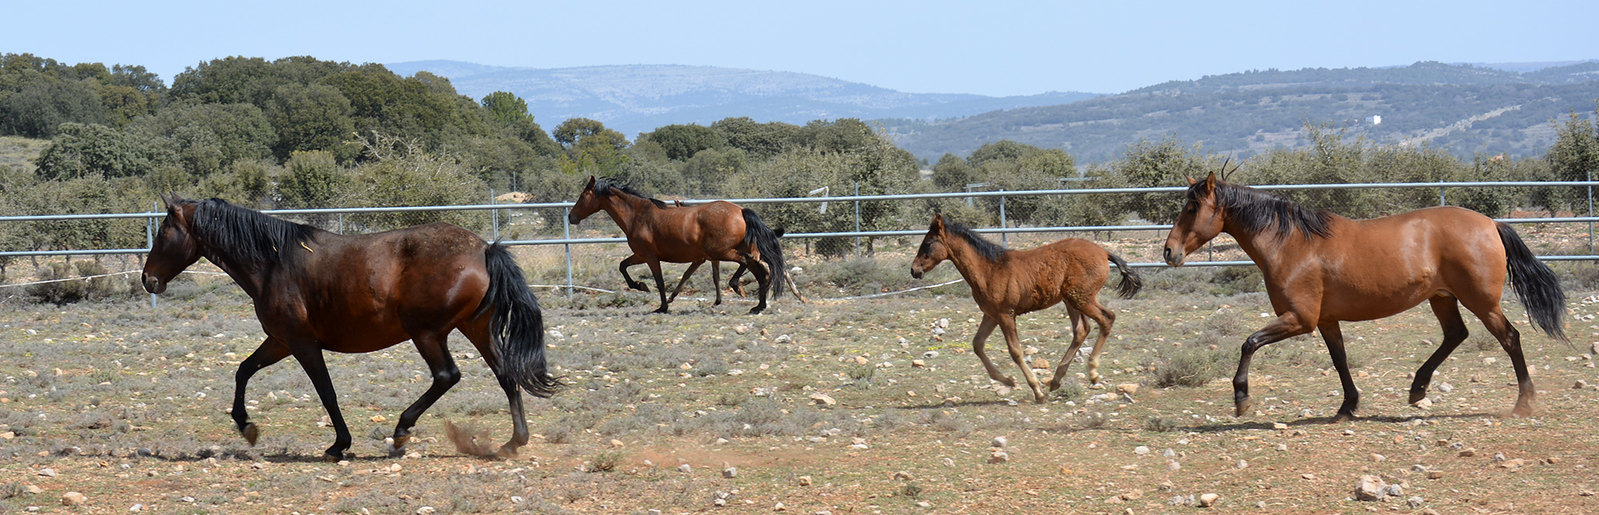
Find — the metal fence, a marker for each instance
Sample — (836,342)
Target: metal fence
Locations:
(510,223)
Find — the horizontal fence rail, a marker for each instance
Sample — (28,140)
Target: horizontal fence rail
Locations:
(152,217)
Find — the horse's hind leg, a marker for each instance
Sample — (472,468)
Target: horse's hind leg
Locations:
(445,374)
(1007,325)
(310,358)
(271,351)
(1334,337)
(979,340)
(1079,334)
(762,277)
(716,281)
(1510,340)
(660,284)
(686,274)
(478,333)
(1448,313)
(1105,319)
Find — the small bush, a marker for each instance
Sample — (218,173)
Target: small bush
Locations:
(605,461)
(1159,424)
(71,291)
(1095,420)
(1189,366)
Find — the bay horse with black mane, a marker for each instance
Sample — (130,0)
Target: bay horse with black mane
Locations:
(1321,269)
(715,231)
(1006,283)
(315,290)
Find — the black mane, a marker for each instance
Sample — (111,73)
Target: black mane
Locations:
(988,249)
(1258,210)
(251,239)
(605,186)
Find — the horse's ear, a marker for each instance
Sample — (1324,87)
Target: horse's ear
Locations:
(590,184)
(938,222)
(1191,180)
(1211,181)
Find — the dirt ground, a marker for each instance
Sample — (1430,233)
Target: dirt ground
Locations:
(860,406)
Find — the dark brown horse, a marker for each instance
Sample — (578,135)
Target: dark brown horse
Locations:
(1006,283)
(1322,269)
(315,291)
(657,232)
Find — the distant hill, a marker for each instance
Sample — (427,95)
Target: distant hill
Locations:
(639,98)
(1463,109)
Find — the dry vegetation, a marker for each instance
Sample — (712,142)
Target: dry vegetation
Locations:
(128,406)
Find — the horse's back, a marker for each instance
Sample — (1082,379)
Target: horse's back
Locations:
(1376,267)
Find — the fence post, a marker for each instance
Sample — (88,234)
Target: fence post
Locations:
(857,219)
(1441,201)
(494,217)
(1590,212)
(566,231)
(149,239)
(1002,235)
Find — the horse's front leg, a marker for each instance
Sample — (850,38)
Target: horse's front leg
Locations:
(1286,326)
(716,281)
(445,374)
(1335,347)
(622,267)
(1007,325)
(310,357)
(271,351)
(985,328)
(660,284)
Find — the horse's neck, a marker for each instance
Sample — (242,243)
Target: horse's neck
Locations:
(626,211)
(1266,248)
(250,280)
(972,265)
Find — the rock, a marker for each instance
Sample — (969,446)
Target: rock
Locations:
(1513,464)
(862,360)
(1208,500)
(73,499)
(685,468)
(998,456)
(1435,474)
(48,472)
(779,506)
(1127,388)
(741,329)
(930,354)
(1424,403)
(902,475)
(1242,464)
(653,512)
(1468,452)
(999,441)
(1378,458)
(1445,387)
(730,472)
(943,323)
(1141,450)
(1580,385)
(949,462)
(1040,363)
(136,508)
(1393,490)
(1415,502)
(1279,426)
(1002,391)
(916,363)
(426,510)
(822,399)
(1369,488)
(1174,465)
(805,480)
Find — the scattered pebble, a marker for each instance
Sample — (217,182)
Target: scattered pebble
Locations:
(685,468)
(822,399)
(730,472)
(73,499)
(999,441)
(1208,500)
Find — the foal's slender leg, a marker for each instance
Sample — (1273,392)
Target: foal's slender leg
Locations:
(271,351)
(622,267)
(478,333)
(1334,337)
(1079,335)
(1287,325)
(310,358)
(1007,325)
(985,328)
(733,283)
(445,374)
(660,285)
(1105,319)
(686,274)
(1448,313)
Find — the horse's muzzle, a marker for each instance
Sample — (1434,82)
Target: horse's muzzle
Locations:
(154,284)
(916,273)
(1172,258)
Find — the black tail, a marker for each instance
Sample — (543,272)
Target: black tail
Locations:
(1535,284)
(1130,281)
(517,325)
(765,240)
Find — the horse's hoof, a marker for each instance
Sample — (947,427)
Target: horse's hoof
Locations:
(1242,407)
(1342,417)
(506,451)
(1054,385)
(1417,395)
(1521,412)
(757,310)
(1008,382)
(396,452)
(251,433)
(332,456)
(662,311)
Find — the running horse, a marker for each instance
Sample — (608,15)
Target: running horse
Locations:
(315,290)
(657,231)
(1006,283)
(1322,269)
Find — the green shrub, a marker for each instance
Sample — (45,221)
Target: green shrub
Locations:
(1189,366)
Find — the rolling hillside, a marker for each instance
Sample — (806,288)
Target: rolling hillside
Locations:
(640,98)
(1461,108)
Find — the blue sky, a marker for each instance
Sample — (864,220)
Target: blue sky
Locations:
(992,47)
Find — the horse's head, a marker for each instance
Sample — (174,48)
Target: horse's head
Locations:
(175,247)
(933,250)
(587,204)
(1200,220)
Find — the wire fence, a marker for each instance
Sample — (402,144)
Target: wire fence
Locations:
(560,254)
